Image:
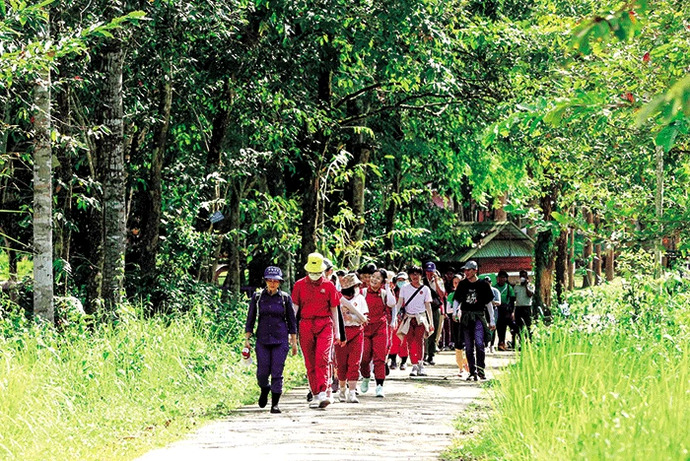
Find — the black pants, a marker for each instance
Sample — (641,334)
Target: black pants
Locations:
(504,322)
(523,321)
(431,340)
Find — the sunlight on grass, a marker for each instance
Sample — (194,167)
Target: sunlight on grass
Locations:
(611,382)
(118,392)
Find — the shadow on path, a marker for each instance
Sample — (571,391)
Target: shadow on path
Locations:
(413,422)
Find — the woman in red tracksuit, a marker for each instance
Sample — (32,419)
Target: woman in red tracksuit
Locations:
(379,301)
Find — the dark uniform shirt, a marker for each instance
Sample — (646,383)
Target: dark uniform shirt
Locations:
(473,296)
(276,319)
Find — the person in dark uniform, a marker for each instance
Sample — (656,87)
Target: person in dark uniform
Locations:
(276,333)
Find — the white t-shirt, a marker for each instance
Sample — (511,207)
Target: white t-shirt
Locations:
(351,307)
(416,305)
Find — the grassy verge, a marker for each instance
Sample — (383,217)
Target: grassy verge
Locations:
(117,392)
(609,382)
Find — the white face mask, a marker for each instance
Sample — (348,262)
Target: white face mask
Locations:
(315,276)
(523,280)
(400,284)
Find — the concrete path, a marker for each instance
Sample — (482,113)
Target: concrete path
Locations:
(413,422)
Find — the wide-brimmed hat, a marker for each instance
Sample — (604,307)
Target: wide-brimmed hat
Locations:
(350,280)
(315,263)
(273,273)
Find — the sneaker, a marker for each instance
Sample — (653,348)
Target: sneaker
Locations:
(388,370)
(352,397)
(472,378)
(502,347)
(379,391)
(430,362)
(323,399)
(482,376)
(342,395)
(393,366)
(414,371)
(421,371)
(275,409)
(364,387)
(310,396)
(491,349)
(403,366)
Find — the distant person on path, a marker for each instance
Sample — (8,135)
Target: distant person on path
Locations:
(471,297)
(276,333)
(522,315)
(458,338)
(317,302)
(349,355)
(380,301)
(492,313)
(505,309)
(415,301)
(433,280)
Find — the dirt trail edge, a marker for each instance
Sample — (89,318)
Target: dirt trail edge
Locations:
(413,421)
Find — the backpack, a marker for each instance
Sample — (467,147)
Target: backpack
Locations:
(283,295)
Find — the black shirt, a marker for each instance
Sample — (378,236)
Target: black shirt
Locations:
(473,296)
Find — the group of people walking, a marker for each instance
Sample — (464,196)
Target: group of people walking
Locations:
(351,326)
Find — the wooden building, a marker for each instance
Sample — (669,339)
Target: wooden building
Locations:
(496,245)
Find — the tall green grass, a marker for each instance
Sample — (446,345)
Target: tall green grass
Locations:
(116,392)
(612,381)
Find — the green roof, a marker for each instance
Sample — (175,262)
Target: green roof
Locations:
(495,239)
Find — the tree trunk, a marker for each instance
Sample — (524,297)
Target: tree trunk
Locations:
(610,255)
(500,213)
(391,213)
(544,260)
(111,148)
(361,153)
(43,194)
(561,265)
(571,260)
(310,198)
(234,278)
(587,256)
(152,220)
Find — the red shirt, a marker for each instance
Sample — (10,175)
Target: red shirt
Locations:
(378,311)
(314,299)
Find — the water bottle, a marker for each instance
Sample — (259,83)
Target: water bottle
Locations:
(247,356)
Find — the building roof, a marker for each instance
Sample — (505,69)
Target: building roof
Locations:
(495,239)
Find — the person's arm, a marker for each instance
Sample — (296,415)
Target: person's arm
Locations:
(530,289)
(251,319)
(490,310)
(427,306)
(292,325)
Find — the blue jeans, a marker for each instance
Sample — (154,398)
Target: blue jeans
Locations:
(474,339)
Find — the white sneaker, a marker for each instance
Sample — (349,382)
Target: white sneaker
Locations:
(414,371)
(491,349)
(364,387)
(323,400)
(421,371)
(352,397)
(379,391)
(342,395)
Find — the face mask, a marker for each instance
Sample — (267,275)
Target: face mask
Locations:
(523,280)
(400,284)
(315,277)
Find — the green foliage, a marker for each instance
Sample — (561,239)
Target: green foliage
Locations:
(118,391)
(593,383)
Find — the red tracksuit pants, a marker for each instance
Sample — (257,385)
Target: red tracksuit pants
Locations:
(376,348)
(398,347)
(349,357)
(415,341)
(316,341)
